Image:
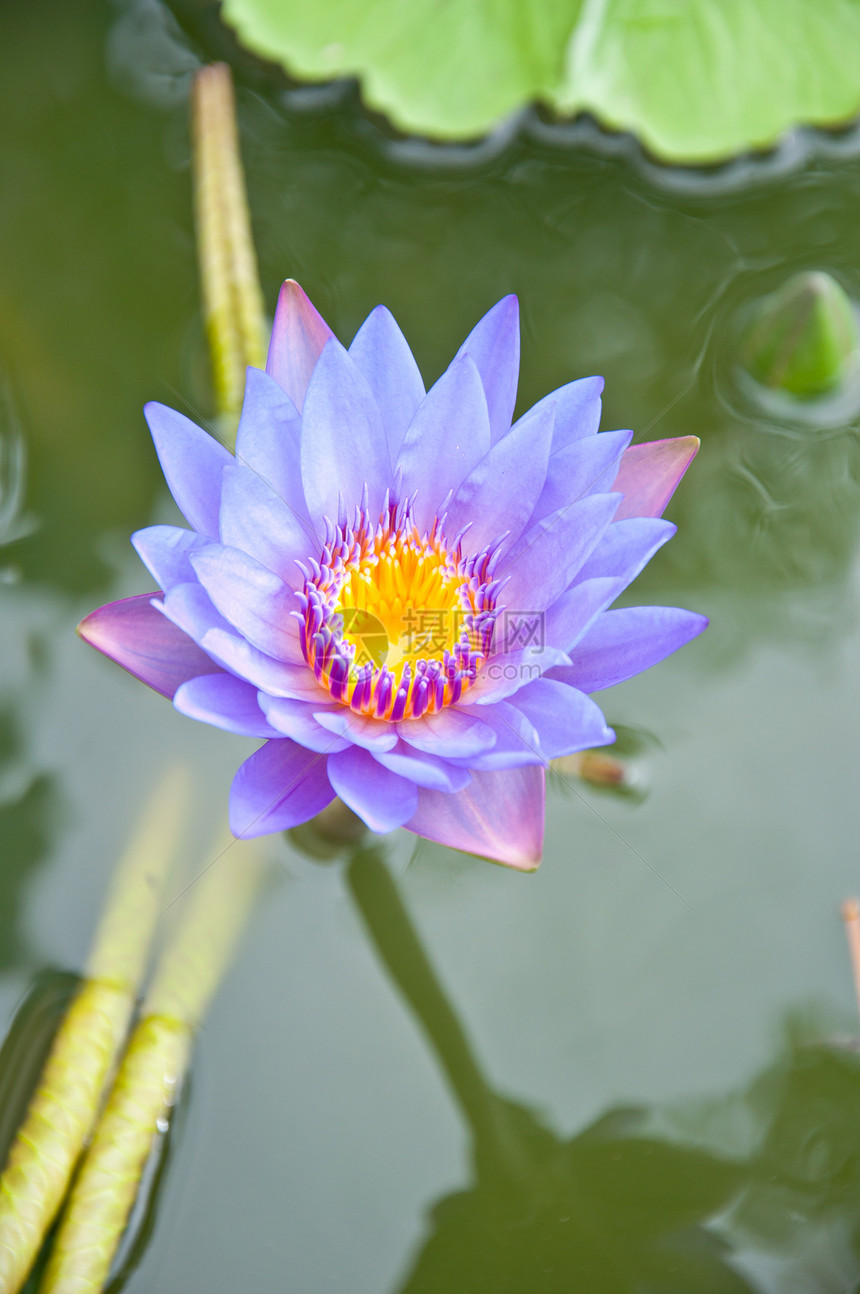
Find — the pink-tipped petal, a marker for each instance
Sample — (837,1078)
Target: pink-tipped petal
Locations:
(649,475)
(299,334)
(137,636)
(499,816)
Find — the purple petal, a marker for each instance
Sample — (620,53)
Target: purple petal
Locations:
(448,733)
(297,719)
(649,475)
(371,734)
(269,440)
(280,786)
(624,642)
(379,797)
(494,345)
(192,462)
(551,552)
(577,410)
(517,741)
(448,436)
(190,608)
(382,355)
(499,816)
(584,467)
(255,520)
(564,718)
(251,598)
(224,701)
(626,547)
(423,769)
(164,551)
(299,335)
(275,677)
(500,493)
(568,619)
(343,441)
(508,671)
(138,637)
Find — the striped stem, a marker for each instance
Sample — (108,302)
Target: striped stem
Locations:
(151,1073)
(232,298)
(102,1198)
(66,1102)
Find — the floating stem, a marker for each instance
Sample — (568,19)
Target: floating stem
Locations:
(66,1102)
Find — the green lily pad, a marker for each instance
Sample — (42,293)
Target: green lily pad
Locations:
(697,80)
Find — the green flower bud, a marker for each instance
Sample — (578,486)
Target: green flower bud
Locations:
(802,339)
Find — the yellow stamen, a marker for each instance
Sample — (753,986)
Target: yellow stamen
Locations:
(401,603)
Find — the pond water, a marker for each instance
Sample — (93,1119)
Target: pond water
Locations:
(661,1020)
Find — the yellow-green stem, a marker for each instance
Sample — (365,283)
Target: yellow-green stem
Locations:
(58,1122)
(232,298)
(152,1070)
(144,1092)
(66,1102)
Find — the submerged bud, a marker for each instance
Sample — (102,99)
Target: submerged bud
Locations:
(330,835)
(803,339)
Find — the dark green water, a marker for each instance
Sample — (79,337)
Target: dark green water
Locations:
(647,1089)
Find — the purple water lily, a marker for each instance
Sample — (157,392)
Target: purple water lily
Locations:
(405,594)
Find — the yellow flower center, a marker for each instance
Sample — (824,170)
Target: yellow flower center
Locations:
(401,603)
(396,623)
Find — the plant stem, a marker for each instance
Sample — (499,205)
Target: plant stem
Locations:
(232,298)
(65,1104)
(152,1071)
(145,1090)
(399,948)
